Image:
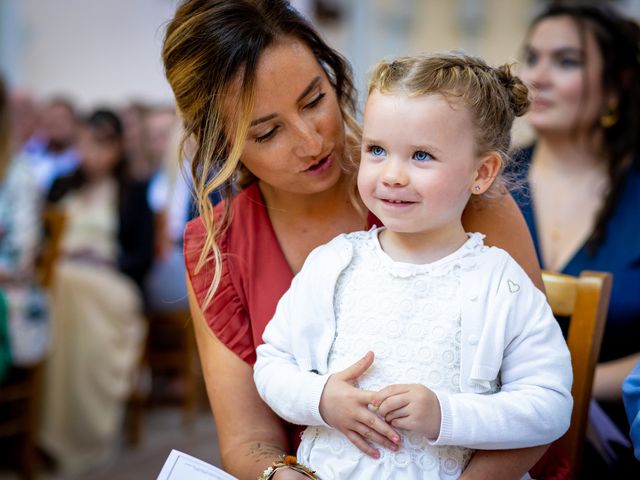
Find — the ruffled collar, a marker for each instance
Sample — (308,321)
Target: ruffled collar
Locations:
(459,259)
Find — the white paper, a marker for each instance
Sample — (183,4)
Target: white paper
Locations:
(180,466)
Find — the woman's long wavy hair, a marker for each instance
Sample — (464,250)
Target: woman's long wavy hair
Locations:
(210,45)
(618,40)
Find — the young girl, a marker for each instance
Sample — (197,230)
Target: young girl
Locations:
(467,352)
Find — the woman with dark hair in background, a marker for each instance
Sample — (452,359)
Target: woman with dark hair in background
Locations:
(271,110)
(582,63)
(106,250)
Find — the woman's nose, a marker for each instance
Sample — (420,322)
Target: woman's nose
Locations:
(309,139)
(536,76)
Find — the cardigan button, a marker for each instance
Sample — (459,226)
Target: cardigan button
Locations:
(473,339)
(474,298)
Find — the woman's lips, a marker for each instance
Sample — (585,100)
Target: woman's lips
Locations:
(320,167)
(540,104)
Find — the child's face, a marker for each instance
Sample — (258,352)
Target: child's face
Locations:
(418,164)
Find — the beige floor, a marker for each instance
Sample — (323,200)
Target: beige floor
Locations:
(163,430)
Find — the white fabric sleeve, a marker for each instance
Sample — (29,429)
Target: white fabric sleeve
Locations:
(26,233)
(294,394)
(533,406)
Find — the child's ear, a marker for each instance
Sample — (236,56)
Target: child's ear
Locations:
(486,173)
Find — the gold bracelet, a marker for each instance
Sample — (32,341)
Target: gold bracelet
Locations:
(287,461)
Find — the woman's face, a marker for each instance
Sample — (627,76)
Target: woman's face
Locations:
(99,154)
(564,75)
(296,140)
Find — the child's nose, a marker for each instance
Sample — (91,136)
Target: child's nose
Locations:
(394,173)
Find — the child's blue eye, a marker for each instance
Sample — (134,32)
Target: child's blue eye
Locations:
(376,150)
(421,156)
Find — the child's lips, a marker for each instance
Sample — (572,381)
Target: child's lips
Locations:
(397,202)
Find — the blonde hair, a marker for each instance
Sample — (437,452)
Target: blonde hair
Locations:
(210,46)
(493,96)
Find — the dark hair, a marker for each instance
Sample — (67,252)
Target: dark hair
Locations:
(107,126)
(618,41)
(209,45)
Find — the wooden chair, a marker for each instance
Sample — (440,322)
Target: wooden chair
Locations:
(170,354)
(20,393)
(585,300)
(53,221)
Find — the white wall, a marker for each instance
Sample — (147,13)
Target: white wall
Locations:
(95,51)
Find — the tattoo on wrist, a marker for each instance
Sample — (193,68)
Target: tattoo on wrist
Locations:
(265,451)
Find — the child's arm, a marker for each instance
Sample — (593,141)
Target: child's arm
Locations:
(631,397)
(306,397)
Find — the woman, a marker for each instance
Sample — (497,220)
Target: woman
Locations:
(106,250)
(24,319)
(582,64)
(271,108)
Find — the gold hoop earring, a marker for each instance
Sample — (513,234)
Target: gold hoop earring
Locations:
(610,118)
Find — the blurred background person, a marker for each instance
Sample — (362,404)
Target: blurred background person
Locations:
(170,198)
(132,115)
(631,397)
(25,115)
(51,151)
(158,126)
(24,325)
(96,298)
(582,63)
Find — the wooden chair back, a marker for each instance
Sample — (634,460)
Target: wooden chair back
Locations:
(53,221)
(585,300)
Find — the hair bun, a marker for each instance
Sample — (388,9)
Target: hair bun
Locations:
(517,91)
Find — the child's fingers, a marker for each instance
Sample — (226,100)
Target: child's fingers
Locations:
(392,403)
(379,426)
(381,395)
(351,373)
(404,422)
(361,444)
(372,436)
(397,414)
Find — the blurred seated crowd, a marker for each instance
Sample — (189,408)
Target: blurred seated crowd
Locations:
(113,175)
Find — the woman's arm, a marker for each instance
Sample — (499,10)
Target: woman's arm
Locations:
(250,435)
(503,464)
(501,221)
(607,383)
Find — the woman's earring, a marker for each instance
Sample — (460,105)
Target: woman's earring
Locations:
(477,188)
(610,118)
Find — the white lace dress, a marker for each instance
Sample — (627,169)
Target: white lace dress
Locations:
(409,316)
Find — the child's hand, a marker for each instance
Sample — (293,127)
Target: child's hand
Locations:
(345,408)
(411,407)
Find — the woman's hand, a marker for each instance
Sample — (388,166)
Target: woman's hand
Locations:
(410,407)
(288,474)
(345,408)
